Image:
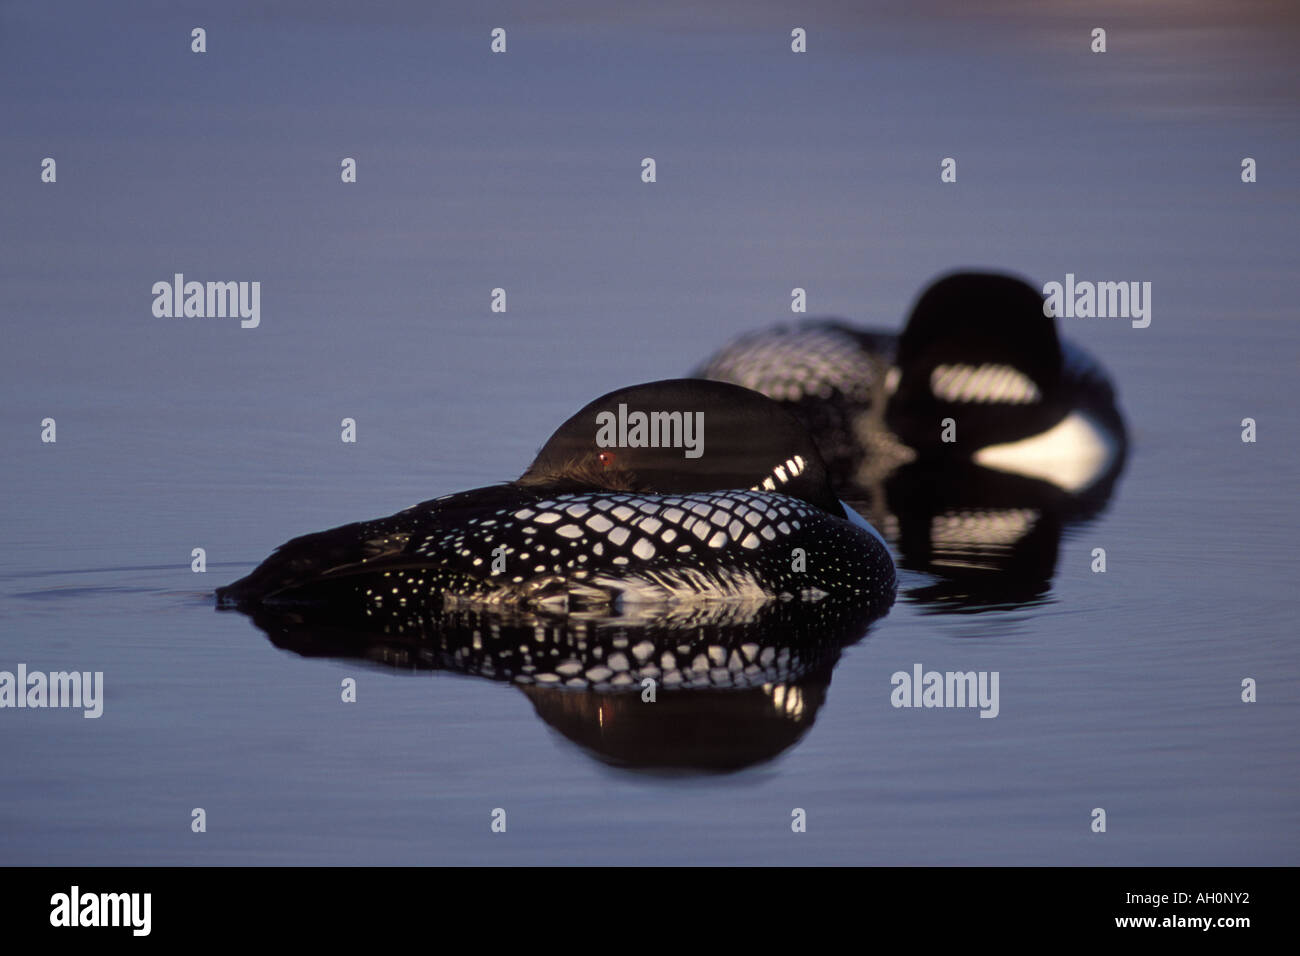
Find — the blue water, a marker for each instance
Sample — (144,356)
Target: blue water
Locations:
(1118,690)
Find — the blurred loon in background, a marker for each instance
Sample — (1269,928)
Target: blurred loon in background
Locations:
(977,374)
(971,438)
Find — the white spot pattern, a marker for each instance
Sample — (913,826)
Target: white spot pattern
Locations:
(600,547)
(791,364)
(982,384)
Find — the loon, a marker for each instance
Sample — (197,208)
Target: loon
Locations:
(978,374)
(598,524)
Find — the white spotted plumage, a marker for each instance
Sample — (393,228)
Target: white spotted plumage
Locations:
(629,548)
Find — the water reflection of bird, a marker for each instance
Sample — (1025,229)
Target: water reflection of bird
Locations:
(718,689)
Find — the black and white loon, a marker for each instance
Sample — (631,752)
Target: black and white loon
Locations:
(603,518)
(978,374)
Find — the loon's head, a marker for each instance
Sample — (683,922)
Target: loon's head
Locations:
(684,435)
(977,348)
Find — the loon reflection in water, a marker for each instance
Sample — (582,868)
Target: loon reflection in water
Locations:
(988,539)
(734,685)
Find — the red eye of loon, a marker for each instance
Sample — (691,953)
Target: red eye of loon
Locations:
(607,458)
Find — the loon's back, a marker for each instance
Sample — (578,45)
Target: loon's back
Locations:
(750,518)
(510,546)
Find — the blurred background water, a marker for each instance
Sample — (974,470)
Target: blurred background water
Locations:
(775,170)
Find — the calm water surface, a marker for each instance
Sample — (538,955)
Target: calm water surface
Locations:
(1118,690)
